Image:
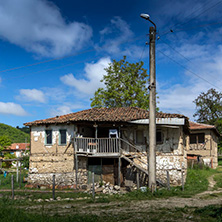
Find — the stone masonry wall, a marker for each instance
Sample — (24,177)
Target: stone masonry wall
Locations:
(170,155)
(49,160)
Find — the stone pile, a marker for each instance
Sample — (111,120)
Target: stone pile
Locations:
(106,188)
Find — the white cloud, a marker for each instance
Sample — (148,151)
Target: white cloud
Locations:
(32,95)
(91,81)
(179,98)
(12,109)
(61,110)
(65,109)
(40,28)
(120,33)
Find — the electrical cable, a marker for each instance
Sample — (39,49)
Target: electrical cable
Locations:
(60,58)
(189,70)
(184,56)
(180,24)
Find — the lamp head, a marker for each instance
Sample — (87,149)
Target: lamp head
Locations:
(145,16)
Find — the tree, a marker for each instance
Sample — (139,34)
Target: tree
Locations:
(4,142)
(125,85)
(209,107)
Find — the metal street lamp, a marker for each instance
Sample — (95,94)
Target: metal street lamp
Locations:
(152,106)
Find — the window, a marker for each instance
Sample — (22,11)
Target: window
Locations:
(159,136)
(48,137)
(197,138)
(62,137)
(139,137)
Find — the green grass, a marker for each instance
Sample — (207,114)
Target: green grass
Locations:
(218,179)
(219,160)
(11,211)
(210,213)
(6,181)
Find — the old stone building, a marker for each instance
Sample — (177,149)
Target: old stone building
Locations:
(203,141)
(111,142)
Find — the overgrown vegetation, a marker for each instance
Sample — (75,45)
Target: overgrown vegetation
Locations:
(6,180)
(15,135)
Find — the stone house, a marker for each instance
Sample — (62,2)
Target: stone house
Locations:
(18,149)
(203,141)
(111,142)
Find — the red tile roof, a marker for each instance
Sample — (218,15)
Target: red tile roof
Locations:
(118,114)
(19,146)
(202,126)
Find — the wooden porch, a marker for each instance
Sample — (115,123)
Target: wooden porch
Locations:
(97,147)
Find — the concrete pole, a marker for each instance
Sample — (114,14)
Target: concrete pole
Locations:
(152,112)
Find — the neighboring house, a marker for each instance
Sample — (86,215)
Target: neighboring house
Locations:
(203,141)
(18,149)
(111,142)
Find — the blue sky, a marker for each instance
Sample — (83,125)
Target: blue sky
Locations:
(53,53)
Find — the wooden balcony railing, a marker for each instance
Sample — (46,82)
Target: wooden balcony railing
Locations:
(100,145)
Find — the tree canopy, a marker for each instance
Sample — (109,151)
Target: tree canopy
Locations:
(4,142)
(125,84)
(209,108)
(15,135)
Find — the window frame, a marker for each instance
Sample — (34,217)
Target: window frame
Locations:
(60,137)
(46,142)
(143,139)
(161,133)
(197,138)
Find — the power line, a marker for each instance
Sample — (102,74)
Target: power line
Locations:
(58,67)
(189,70)
(199,26)
(143,50)
(180,24)
(60,58)
(46,61)
(181,54)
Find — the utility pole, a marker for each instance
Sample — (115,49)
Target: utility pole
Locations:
(152,106)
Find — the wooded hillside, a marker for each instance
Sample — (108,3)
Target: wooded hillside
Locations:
(16,135)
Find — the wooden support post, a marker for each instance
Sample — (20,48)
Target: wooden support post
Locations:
(17,171)
(93,185)
(1,166)
(119,142)
(12,185)
(182,180)
(192,164)
(53,187)
(119,171)
(76,168)
(137,179)
(168,180)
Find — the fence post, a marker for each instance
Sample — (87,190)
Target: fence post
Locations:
(168,180)
(12,184)
(53,186)
(182,179)
(20,174)
(17,171)
(93,185)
